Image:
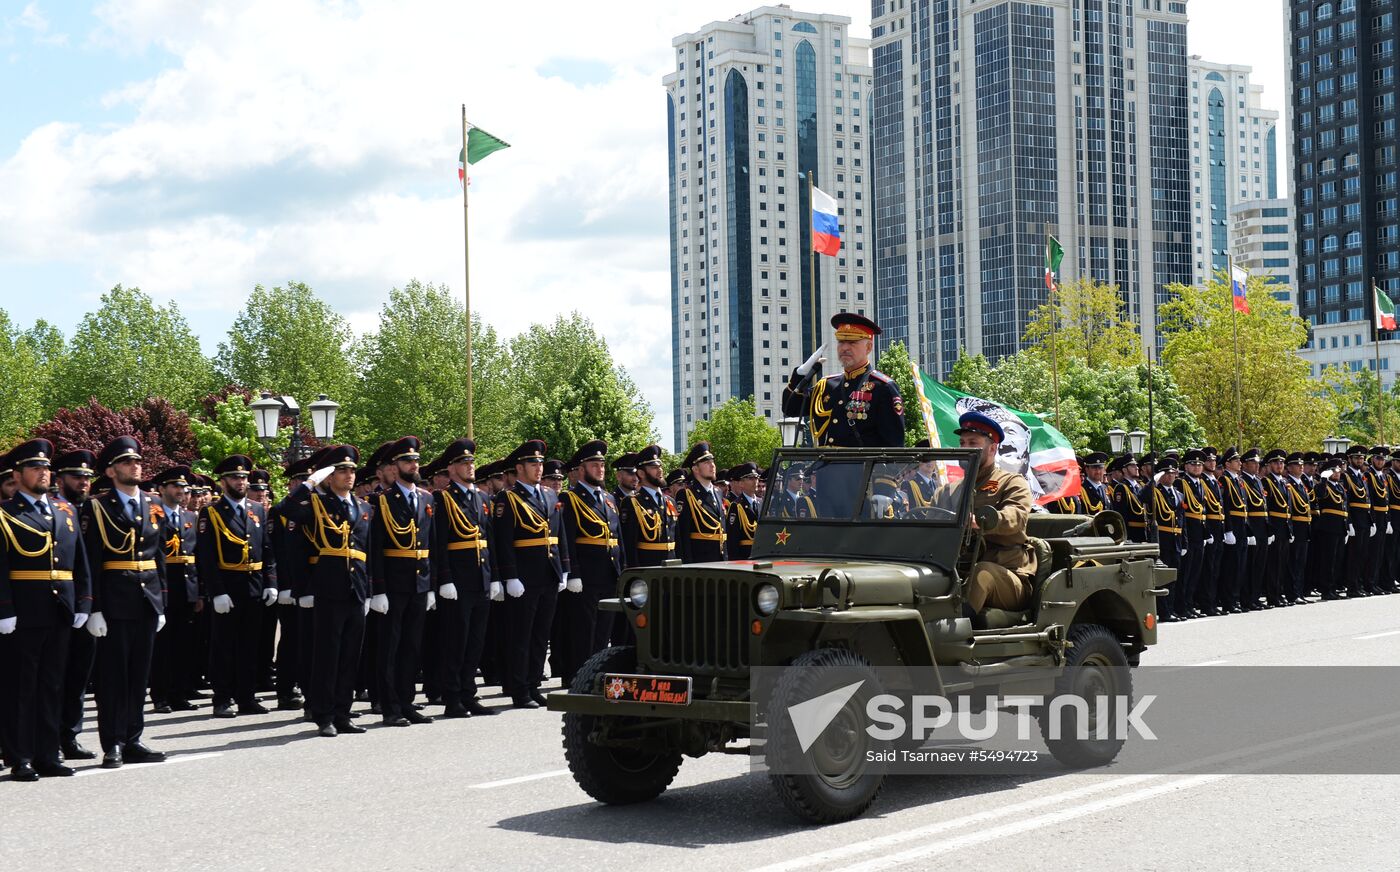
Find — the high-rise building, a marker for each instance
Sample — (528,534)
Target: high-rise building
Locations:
(1261,241)
(995,123)
(1346,172)
(758,107)
(1234,157)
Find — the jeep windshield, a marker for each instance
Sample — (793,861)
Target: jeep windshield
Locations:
(897,486)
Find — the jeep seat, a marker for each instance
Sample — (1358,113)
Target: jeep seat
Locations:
(998,619)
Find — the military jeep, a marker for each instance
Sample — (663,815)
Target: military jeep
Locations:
(865,576)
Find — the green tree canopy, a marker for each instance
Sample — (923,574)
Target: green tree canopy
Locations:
(232,430)
(894,362)
(1090,325)
(736,433)
(1352,396)
(27,361)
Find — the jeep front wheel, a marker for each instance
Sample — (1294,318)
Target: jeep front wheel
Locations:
(1095,667)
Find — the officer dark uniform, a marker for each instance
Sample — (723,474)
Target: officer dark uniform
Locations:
(238,568)
(45,593)
(742,519)
(1126,499)
(1280,529)
(1193,531)
(700,530)
(172,680)
(1358,493)
(625,465)
(75,470)
(1208,589)
(1256,543)
(462,572)
(593,540)
(1164,501)
(334,589)
(857,409)
(919,488)
(1300,525)
(1380,519)
(122,534)
(527,554)
(1392,580)
(401,572)
(1234,571)
(1329,527)
(1095,496)
(648,520)
(283,620)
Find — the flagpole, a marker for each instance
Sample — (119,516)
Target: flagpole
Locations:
(467,270)
(1054,333)
(1376,333)
(812,260)
(1235,328)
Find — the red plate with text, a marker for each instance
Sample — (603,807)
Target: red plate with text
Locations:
(652,689)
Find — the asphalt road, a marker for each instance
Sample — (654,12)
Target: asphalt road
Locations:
(264,792)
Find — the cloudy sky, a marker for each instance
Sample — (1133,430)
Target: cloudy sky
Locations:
(198,149)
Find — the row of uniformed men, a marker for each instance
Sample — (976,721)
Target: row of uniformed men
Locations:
(1255,530)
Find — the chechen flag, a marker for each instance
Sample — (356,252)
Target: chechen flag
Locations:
(1239,283)
(1385,310)
(826,230)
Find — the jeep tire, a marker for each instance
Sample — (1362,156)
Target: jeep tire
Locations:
(1095,666)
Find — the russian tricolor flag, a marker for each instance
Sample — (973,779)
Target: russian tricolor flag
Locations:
(826,230)
(1239,281)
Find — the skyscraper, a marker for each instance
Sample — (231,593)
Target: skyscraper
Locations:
(1346,178)
(756,107)
(995,123)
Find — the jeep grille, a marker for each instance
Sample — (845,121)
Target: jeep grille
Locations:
(700,624)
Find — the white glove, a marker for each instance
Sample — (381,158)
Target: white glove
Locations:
(1210,540)
(160,623)
(1158,477)
(514,587)
(432,601)
(1388,528)
(380,603)
(307,601)
(285,598)
(1328,474)
(575,585)
(97,625)
(1183,551)
(448,591)
(319,475)
(1229,538)
(1271,541)
(79,620)
(812,361)
(498,593)
(1351,530)
(1290,540)
(222,604)
(269,595)
(366,607)
(7,625)
(1373,529)
(1251,541)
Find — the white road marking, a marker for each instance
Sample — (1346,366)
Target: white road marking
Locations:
(1211,663)
(506,782)
(1377,635)
(173,758)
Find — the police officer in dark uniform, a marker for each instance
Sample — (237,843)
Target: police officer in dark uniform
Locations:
(1358,493)
(1125,497)
(923,482)
(1300,525)
(285,618)
(1257,507)
(625,468)
(1280,528)
(464,574)
(792,502)
(1164,501)
(1234,572)
(172,680)
(648,516)
(1095,497)
(238,569)
(1391,583)
(45,595)
(335,588)
(122,534)
(1329,527)
(525,526)
(75,470)
(742,521)
(1193,531)
(1380,519)
(856,408)
(700,531)
(592,538)
(401,572)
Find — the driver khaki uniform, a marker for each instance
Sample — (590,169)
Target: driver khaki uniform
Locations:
(1002,579)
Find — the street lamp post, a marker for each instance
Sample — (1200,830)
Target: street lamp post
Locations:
(788,428)
(1115,440)
(267,410)
(1136,440)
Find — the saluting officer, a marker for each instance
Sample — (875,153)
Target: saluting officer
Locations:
(75,471)
(528,556)
(172,679)
(742,521)
(592,538)
(700,531)
(45,594)
(401,573)
(858,407)
(335,589)
(1329,527)
(238,568)
(1358,492)
(122,534)
(1164,501)
(648,516)
(464,572)
(1380,519)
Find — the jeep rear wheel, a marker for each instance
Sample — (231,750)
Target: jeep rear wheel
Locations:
(831,781)
(617,776)
(1094,667)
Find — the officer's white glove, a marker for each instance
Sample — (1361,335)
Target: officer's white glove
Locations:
(1271,541)
(1158,477)
(575,585)
(1183,551)
(1290,540)
(79,620)
(498,593)
(1351,530)
(448,591)
(432,601)
(514,587)
(1373,529)
(285,598)
(562,585)
(7,625)
(97,625)
(1251,541)
(1389,528)
(1210,540)
(307,601)
(366,607)
(380,603)
(320,475)
(269,595)
(1229,538)
(812,361)
(160,623)
(1328,474)
(222,603)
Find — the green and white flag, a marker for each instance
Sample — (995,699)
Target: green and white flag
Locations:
(1054,253)
(1032,447)
(479,145)
(1385,310)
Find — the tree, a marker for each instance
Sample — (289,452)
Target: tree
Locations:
(1279,404)
(568,390)
(131,349)
(164,432)
(415,374)
(1090,324)
(1352,396)
(232,430)
(737,433)
(894,362)
(26,371)
(289,341)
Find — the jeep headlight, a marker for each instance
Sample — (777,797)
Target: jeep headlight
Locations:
(637,592)
(765,599)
